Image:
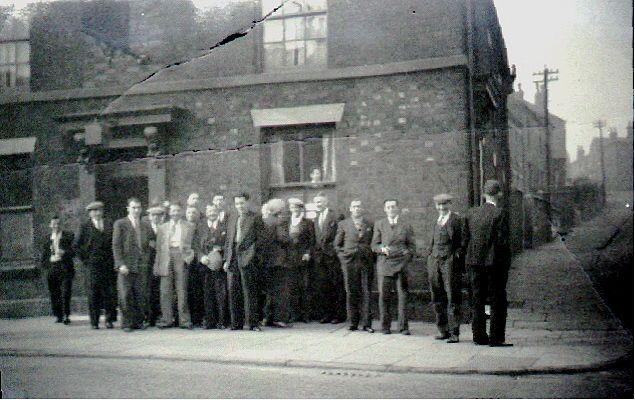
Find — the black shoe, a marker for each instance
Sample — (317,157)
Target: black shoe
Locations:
(128,330)
(481,342)
(442,336)
(256,328)
(109,325)
(59,320)
(405,332)
(352,328)
(220,326)
(368,329)
(280,324)
(236,328)
(94,326)
(335,321)
(453,339)
(325,320)
(386,332)
(67,321)
(500,344)
(189,326)
(165,326)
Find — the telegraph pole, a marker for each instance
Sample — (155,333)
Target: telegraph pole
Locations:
(600,124)
(546,78)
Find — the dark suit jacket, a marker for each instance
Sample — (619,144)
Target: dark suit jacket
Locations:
(324,237)
(455,227)
(66,244)
(350,246)
(486,235)
(94,248)
(246,251)
(149,244)
(125,248)
(296,248)
(206,238)
(400,240)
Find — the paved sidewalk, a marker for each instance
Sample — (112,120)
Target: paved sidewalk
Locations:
(561,326)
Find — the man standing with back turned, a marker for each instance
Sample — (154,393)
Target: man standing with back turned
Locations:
(488,262)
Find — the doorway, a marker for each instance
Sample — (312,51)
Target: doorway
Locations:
(114,191)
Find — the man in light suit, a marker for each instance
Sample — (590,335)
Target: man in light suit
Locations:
(244,231)
(173,252)
(330,297)
(57,262)
(445,269)
(128,238)
(352,243)
(488,261)
(93,245)
(393,241)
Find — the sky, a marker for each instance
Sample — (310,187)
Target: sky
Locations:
(588,41)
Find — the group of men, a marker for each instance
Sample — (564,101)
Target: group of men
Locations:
(231,269)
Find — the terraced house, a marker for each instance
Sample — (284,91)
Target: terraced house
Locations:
(352,98)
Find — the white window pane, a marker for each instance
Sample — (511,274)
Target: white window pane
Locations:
(273,31)
(23,74)
(316,26)
(10,53)
(23,50)
(274,57)
(315,5)
(294,53)
(294,7)
(269,5)
(294,28)
(316,52)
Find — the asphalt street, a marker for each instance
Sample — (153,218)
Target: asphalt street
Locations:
(52,377)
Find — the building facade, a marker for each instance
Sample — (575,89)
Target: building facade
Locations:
(349,98)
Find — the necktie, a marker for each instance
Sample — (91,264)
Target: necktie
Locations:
(137,231)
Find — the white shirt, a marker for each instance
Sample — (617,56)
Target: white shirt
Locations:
(135,225)
(212,224)
(55,238)
(154,227)
(175,234)
(443,219)
(491,202)
(322,217)
(394,220)
(296,220)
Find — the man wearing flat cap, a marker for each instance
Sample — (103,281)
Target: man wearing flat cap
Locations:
(445,269)
(488,260)
(94,249)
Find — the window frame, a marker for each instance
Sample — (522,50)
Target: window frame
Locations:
(281,16)
(14,65)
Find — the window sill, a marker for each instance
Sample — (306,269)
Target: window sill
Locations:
(15,209)
(18,265)
(303,185)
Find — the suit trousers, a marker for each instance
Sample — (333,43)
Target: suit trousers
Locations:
(386,284)
(330,298)
(243,281)
(357,281)
(151,295)
(60,284)
(444,278)
(495,278)
(101,294)
(195,291)
(272,288)
(130,289)
(298,287)
(215,297)
(175,281)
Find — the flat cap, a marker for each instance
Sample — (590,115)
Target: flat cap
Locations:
(295,201)
(442,198)
(156,209)
(491,187)
(94,205)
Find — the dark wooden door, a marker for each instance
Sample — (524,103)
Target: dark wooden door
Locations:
(115,191)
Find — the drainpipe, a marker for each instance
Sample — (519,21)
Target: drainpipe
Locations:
(471,115)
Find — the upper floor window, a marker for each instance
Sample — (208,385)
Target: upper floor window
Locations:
(15,69)
(295,35)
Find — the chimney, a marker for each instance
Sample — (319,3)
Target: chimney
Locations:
(521,93)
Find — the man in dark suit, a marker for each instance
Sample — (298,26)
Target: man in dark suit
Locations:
(330,298)
(195,271)
(445,269)
(151,283)
(393,241)
(488,261)
(244,232)
(94,248)
(128,237)
(352,243)
(57,261)
(208,245)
